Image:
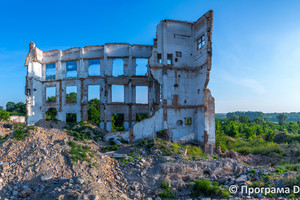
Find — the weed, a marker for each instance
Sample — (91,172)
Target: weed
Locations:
(80,153)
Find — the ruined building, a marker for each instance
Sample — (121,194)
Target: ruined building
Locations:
(175,77)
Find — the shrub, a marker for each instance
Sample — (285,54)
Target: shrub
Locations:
(80,153)
(21,133)
(3,139)
(207,188)
(166,192)
(194,152)
(4,115)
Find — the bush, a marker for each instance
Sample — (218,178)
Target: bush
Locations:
(166,192)
(21,132)
(80,153)
(205,187)
(194,152)
(4,115)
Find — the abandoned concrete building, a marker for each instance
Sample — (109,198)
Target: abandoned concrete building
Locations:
(173,72)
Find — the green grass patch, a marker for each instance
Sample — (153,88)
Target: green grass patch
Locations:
(3,139)
(79,152)
(166,193)
(285,167)
(209,189)
(255,147)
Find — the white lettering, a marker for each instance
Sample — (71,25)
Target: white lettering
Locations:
(296,189)
(244,187)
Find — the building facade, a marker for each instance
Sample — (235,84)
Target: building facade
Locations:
(173,73)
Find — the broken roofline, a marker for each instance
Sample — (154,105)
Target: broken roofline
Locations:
(179,64)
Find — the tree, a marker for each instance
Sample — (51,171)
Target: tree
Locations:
(20,109)
(1,107)
(244,119)
(51,99)
(72,97)
(51,114)
(10,106)
(281,118)
(4,115)
(94,111)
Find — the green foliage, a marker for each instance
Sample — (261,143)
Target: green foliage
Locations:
(255,147)
(209,189)
(94,111)
(285,167)
(244,119)
(71,117)
(110,148)
(3,139)
(117,122)
(194,152)
(51,99)
(4,115)
(16,109)
(251,115)
(83,131)
(51,114)
(281,118)
(21,132)
(80,153)
(71,97)
(164,185)
(166,192)
(141,116)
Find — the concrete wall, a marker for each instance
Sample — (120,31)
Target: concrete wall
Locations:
(179,101)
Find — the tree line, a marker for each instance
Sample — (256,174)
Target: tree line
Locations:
(12,109)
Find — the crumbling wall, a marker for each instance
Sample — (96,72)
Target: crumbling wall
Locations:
(179,102)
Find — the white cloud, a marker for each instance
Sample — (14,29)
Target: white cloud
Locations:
(252,84)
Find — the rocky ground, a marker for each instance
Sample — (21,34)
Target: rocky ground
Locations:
(53,160)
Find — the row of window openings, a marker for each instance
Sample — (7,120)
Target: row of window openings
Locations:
(94,93)
(94,68)
(117,118)
(200,44)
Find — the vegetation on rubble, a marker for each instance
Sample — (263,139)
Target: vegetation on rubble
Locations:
(84,131)
(209,189)
(80,152)
(3,138)
(21,131)
(166,193)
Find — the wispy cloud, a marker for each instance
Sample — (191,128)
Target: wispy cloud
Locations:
(252,84)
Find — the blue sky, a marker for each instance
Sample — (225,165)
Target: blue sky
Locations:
(256,43)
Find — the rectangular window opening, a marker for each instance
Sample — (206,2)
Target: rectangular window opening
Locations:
(178,53)
(188,120)
(117,121)
(141,94)
(118,67)
(141,66)
(117,93)
(94,67)
(159,58)
(71,94)
(51,94)
(71,117)
(201,42)
(169,59)
(50,71)
(71,69)
(141,116)
(94,104)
